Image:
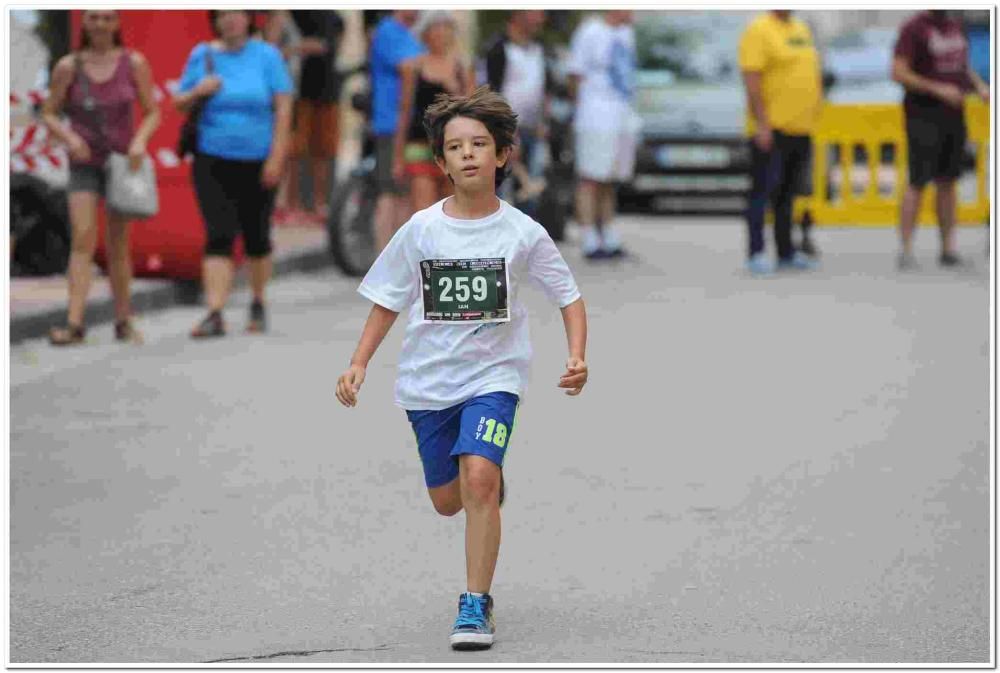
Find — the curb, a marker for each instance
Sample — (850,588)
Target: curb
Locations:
(168,294)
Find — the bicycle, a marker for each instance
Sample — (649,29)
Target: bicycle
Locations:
(352,207)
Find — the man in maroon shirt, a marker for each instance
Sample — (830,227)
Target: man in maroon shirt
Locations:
(931,61)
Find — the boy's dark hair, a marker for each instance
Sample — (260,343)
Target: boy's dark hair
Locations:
(483,105)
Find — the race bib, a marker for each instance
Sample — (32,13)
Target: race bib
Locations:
(465,290)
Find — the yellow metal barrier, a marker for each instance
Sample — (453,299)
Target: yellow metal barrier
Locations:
(867,193)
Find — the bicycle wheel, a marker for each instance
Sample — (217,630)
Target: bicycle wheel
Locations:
(350,227)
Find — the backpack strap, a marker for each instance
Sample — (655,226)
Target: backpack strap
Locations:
(209,59)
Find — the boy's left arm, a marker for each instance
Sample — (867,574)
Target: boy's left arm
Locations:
(548,269)
(575,321)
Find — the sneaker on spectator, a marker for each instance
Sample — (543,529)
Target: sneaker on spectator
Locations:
(809,248)
(905,261)
(611,243)
(950,260)
(798,262)
(760,264)
(591,244)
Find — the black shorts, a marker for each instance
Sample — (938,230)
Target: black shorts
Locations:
(233,201)
(936,145)
(87,178)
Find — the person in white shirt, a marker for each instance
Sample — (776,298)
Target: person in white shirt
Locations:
(602,71)
(514,65)
(457,268)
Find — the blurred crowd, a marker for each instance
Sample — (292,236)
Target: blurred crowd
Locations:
(263,98)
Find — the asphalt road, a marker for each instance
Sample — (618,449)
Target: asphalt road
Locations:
(792,469)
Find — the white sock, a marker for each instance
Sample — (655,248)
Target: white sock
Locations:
(474,594)
(591,239)
(612,241)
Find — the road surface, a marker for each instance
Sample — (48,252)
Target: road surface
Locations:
(792,469)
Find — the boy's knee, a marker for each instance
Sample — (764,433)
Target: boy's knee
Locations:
(447,500)
(481,483)
(447,508)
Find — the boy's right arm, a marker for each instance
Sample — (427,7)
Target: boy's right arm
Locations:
(379,322)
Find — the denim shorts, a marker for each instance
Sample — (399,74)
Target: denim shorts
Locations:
(480,426)
(84,178)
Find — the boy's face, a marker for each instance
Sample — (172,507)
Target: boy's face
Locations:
(470,155)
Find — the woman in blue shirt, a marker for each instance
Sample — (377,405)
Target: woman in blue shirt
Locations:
(242,146)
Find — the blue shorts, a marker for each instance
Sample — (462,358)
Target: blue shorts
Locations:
(480,426)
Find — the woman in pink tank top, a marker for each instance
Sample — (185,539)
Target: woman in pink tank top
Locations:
(97,88)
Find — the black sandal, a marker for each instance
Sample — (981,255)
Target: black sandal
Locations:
(67,335)
(257,324)
(126,331)
(211,326)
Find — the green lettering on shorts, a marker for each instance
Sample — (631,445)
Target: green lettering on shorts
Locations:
(496,432)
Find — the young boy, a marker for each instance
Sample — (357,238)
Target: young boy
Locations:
(457,266)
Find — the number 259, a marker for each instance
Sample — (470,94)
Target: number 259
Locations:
(461,287)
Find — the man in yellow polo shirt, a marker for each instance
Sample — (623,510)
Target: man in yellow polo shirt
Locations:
(781,72)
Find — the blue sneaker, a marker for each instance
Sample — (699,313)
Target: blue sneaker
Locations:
(474,627)
(799,262)
(760,264)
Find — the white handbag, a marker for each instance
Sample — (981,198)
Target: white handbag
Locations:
(132,194)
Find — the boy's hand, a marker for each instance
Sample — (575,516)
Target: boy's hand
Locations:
(575,377)
(349,384)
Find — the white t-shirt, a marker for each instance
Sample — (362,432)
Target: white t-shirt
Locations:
(524,82)
(604,58)
(445,363)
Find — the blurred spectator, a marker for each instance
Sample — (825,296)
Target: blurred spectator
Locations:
(101,121)
(392,45)
(243,135)
(424,78)
(281,31)
(607,128)
(932,62)
(781,72)
(515,66)
(317,113)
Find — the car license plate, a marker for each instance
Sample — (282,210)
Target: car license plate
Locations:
(698,204)
(694,183)
(692,156)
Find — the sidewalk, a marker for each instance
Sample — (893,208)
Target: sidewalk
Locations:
(38,303)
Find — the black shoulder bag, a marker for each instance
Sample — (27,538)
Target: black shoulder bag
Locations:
(188,141)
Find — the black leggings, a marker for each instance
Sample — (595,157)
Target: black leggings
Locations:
(233,200)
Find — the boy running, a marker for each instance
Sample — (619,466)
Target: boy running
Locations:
(457,266)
